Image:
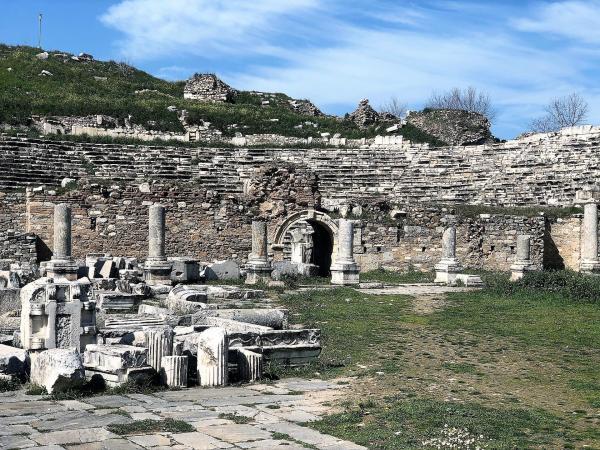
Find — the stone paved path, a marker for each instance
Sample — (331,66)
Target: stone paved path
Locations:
(275,410)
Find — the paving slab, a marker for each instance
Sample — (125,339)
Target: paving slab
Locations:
(109,444)
(151,440)
(70,420)
(74,436)
(251,400)
(301,434)
(29,408)
(110,401)
(271,444)
(236,433)
(15,442)
(200,441)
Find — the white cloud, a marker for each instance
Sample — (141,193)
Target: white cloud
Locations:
(334,54)
(157,27)
(574,19)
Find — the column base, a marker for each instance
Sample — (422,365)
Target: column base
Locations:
(345,274)
(519,269)
(446,271)
(258,272)
(157,272)
(590,266)
(62,270)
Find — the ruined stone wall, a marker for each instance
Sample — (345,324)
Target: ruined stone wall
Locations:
(542,169)
(483,242)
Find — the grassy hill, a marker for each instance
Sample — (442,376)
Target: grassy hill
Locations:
(80,88)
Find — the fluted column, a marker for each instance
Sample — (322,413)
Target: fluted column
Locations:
(159,342)
(258,267)
(449,266)
(174,371)
(344,270)
(250,365)
(212,357)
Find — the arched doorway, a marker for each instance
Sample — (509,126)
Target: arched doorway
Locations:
(307,238)
(322,248)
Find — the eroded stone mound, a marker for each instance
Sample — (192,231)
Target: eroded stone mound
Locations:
(207,87)
(453,126)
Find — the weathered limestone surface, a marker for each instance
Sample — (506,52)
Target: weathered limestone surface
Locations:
(159,342)
(13,361)
(345,271)
(448,267)
(174,371)
(212,358)
(249,365)
(57,369)
(116,364)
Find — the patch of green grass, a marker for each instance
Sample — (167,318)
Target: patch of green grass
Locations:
(74,89)
(7,385)
(389,277)
(151,426)
(273,406)
(235,418)
(408,423)
(461,367)
(286,437)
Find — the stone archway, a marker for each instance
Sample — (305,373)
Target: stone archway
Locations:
(323,231)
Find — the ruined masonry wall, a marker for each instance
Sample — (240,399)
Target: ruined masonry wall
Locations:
(544,169)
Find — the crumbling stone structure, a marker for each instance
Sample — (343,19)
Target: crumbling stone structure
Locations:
(206,87)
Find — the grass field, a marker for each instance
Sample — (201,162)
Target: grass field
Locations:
(478,369)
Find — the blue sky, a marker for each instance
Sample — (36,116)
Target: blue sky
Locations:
(336,52)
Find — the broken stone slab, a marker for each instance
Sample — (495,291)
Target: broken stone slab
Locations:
(234,326)
(134,322)
(112,301)
(57,369)
(185,270)
(249,364)
(13,361)
(469,280)
(174,371)
(117,364)
(273,318)
(186,301)
(221,270)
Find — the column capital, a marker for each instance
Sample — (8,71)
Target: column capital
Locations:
(589,194)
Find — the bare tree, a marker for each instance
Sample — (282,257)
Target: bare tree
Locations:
(394,106)
(567,111)
(469,99)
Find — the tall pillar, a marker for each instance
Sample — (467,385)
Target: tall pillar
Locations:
(213,349)
(345,271)
(157,270)
(523,262)
(258,267)
(62,267)
(589,261)
(448,267)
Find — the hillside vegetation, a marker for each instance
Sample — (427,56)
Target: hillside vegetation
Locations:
(88,87)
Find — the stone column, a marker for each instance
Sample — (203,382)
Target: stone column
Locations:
(258,267)
(212,361)
(157,270)
(250,365)
(523,262)
(589,198)
(62,267)
(174,371)
(345,271)
(448,267)
(159,342)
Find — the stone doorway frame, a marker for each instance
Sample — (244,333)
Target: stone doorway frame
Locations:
(308,215)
